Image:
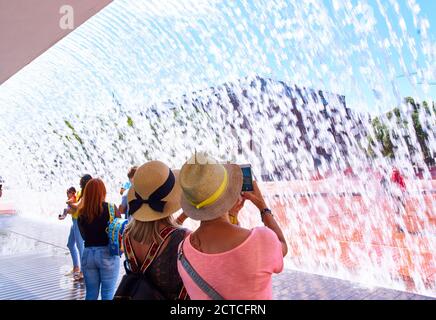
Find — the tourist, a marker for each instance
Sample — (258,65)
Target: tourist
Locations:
(181,218)
(125,186)
(398,192)
(398,180)
(234,262)
(1,186)
(99,267)
(75,242)
(153,198)
(124,207)
(71,198)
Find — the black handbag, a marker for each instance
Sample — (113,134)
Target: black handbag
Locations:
(137,286)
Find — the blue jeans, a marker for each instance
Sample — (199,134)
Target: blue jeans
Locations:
(100,269)
(75,243)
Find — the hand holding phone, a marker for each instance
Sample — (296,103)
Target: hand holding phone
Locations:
(255,197)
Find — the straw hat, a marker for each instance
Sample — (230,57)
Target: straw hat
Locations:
(155,192)
(209,189)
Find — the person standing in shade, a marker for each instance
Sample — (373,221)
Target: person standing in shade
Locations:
(100,268)
(236,263)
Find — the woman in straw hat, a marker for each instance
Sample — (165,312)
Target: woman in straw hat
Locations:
(99,267)
(232,262)
(151,238)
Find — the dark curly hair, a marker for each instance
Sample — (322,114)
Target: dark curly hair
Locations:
(84,180)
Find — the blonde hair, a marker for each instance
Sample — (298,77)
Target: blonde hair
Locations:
(148,231)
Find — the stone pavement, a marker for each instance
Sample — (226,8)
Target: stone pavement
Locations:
(297,285)
(34,269)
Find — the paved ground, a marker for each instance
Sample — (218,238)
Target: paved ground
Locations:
(34,267)
(38,276)
(295,285)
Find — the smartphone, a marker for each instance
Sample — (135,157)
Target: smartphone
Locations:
(247,177)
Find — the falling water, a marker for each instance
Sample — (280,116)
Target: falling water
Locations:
(290,87)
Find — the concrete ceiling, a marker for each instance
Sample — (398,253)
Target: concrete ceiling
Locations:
(28,28)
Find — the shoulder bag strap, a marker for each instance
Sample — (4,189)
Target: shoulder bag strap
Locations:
(113,230)
(183,295)
(111,212)
(199,281)
(154,248)
(130,255)
(111,218)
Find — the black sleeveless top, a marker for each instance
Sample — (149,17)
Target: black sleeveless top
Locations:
(163,270)
(94,233)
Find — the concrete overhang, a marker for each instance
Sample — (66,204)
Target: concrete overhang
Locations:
(30,27)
